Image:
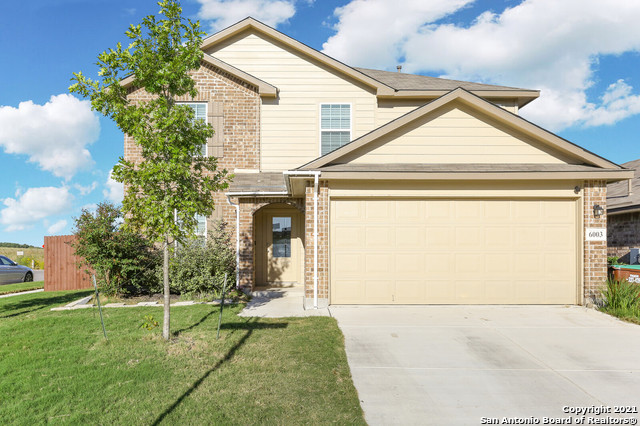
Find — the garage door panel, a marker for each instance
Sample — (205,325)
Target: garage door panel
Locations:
(378,263)
(499,291)
(409,291)
(410,262)
(453,251)
(469,291)
(497,237)
(437,209)
(348,236)
(467,211)
(348,264)
(469,238)
(442,237)
(379,237)
(439,291)
(349,291)
(411,236)
(438,264)
(379,291)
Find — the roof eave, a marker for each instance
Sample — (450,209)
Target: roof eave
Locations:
(264,89)
(608,175)
(522,97)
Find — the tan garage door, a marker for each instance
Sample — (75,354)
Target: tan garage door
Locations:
(453,251)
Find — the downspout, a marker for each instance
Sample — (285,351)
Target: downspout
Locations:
(237,239)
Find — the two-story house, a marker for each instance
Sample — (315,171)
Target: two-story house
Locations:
(375,187)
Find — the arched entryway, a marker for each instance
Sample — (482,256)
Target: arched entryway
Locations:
(279,245)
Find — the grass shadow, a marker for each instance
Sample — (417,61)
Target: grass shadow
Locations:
(194,325)
(35,303)
(250,326)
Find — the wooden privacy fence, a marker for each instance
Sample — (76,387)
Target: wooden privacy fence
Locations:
(61,271)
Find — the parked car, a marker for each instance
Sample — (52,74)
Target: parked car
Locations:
(11,272)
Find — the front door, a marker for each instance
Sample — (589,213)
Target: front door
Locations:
(280,246)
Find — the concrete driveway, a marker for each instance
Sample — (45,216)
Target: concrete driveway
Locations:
(455,365)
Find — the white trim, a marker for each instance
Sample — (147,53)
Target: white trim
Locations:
(333,130)
(257,194)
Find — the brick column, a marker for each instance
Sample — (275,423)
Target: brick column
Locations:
(323,245)
(595,252)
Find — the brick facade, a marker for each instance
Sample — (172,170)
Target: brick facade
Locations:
(623,234)
(595,252)
(323,244)
(241,134)
(248,209)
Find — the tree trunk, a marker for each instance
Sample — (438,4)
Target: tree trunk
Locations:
(167,300)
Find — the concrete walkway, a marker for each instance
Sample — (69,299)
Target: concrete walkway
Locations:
(455,365)
(21,293)
(279,303)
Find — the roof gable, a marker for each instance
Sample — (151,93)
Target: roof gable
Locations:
(544,139)
(250,24)
(384,83)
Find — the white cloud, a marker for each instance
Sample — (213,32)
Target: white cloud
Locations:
(549,45)
(224,13)
(372,33)
(114,191)
(85,189)
(57,227)
(91,207)
(54,135)
(34,205)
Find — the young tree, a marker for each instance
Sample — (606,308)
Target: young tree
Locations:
(172,178)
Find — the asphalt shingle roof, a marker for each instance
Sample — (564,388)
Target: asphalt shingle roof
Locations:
(402,81)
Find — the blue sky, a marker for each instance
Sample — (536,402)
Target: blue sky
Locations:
(55,154)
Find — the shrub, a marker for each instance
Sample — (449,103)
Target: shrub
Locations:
(622,298)
(612,260)
(198,267)
(122,260)
(26,261)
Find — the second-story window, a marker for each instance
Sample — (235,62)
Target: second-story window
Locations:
(200,113)
(335,126)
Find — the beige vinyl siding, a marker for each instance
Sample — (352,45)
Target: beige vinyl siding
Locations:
(454,135)
(290,128)
(452,251)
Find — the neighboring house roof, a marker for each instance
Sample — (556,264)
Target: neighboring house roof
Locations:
(460,95)
(403,86)
(266,182)
(264,88)
(619,200)
(403,82)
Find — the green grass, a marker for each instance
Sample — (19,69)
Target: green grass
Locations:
(35,253)
(622,300)
(15,288)
(56,367)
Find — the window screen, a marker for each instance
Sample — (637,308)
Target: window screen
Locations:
(200,113)
(335,126)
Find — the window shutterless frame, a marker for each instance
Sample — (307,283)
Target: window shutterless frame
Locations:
(334,130)
(200,112)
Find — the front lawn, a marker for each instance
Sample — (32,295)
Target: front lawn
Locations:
(57,367)
(15,288)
